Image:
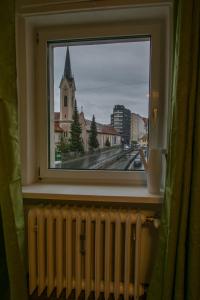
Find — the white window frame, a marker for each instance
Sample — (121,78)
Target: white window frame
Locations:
(157,28)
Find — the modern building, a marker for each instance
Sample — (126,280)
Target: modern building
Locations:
(121,121)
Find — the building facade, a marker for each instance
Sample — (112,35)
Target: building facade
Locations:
(139,129)
(121,122)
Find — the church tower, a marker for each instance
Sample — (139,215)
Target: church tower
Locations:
(67,94)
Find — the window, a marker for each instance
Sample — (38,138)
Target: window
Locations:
(81,29)
(65,101)
(101,77)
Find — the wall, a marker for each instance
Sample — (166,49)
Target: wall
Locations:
(36,7)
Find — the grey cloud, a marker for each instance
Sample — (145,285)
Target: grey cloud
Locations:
(107,75)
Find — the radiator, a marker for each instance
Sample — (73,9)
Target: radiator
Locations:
(85,249)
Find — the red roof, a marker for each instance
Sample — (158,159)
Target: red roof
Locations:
(102,128)
(57,127)
(109,130)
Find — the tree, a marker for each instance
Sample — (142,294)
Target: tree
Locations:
(63,145)
(76,142)
(107,143)
(93,142)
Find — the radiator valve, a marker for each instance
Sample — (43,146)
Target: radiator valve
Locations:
(154,221)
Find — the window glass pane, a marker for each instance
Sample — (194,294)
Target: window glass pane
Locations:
(98,110)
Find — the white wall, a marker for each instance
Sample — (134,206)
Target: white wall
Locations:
(35,7)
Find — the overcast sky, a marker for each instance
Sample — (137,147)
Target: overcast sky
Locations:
(106,75)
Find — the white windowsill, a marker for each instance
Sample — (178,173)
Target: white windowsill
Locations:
(96,193)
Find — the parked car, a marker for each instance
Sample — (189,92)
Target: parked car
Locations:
(126,147)
(137,146)
(137,163)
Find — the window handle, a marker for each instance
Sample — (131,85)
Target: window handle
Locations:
(155,115)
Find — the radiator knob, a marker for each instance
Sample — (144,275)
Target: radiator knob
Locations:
(156,223)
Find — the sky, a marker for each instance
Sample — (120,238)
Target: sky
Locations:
(106,75)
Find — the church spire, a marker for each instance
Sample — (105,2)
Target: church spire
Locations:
(67,70)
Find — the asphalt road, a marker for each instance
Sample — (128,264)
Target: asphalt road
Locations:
(88,161)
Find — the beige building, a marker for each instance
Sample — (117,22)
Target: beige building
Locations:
(139,128)
(104,132)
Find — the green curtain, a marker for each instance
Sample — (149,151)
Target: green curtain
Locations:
(12,267)
(176,273)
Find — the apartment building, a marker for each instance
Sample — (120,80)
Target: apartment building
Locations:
(121,121)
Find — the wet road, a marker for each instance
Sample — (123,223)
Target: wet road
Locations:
(112,159)
(121,163)
(89,161)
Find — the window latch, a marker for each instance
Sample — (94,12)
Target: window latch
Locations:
(155,115)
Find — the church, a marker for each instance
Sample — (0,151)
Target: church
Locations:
(64,118)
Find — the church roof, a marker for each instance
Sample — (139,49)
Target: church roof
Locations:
(67,70)
(102,128)
(107,129)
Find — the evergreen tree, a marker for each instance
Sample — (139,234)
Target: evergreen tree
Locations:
(107,143)
(63,145)
(93,142)
(76,142)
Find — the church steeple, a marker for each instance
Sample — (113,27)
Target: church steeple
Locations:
(67,70)
(67,93)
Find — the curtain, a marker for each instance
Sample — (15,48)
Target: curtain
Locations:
(12,270)
(176,275)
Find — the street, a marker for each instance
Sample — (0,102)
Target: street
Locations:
(111,159)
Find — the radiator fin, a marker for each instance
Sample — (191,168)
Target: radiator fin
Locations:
(97,255)
(50,253)
(117,256)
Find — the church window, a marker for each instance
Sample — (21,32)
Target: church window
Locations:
(65,101)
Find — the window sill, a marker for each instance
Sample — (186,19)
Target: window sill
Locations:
(94,193)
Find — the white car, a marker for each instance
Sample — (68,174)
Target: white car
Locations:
(126,147)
